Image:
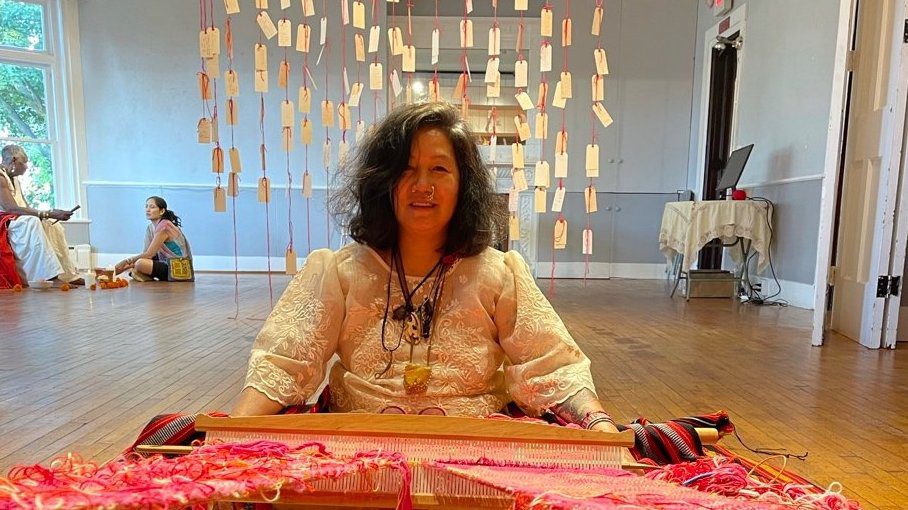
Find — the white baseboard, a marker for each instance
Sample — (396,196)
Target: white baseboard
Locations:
(599,270)
(215,263)
(796,293)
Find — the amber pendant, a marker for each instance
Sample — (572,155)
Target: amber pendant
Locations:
(416,378)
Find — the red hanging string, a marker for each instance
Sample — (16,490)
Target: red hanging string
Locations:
(327,157)
(289,174)
(267,207)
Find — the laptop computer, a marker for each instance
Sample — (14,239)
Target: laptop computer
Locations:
(731,174)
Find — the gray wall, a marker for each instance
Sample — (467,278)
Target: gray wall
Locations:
(785,87)
(644,154)
(141,109)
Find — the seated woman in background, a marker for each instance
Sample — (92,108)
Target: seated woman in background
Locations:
(164,240)
(424,315)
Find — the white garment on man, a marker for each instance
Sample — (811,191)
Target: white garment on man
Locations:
(40,246)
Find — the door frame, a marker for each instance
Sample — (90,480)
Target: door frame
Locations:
(737,23)
(834,141)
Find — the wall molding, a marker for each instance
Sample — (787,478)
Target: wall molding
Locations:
(780,182)
(601,270)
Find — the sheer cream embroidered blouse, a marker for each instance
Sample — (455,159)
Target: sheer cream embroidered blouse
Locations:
(496,338)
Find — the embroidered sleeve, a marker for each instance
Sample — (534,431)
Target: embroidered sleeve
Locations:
(546,366)
(289,354)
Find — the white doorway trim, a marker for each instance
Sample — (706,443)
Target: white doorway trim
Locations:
(737,24)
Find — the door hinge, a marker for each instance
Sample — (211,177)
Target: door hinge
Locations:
(888,285)
(832,275)
(905,33)
(850,58)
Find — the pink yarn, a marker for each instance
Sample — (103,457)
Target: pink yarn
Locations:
(210,473)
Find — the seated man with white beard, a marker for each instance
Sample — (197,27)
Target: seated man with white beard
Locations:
(38,244)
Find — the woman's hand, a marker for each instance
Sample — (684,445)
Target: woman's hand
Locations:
(123,265)
(59,214)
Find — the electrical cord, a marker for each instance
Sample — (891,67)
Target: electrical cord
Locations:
(756,297)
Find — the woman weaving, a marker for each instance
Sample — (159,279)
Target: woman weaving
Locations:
(424,315)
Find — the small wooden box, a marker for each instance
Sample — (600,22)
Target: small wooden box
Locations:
(109,273)
(710,283)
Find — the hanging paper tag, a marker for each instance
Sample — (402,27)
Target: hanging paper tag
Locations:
(592,160)
(346,82)
(466,33)
(327,113)
(545,22)
(283,74)
(285,4)
(493,148)
(305,100)
(434,90)
(558,200)
(261,4)
(517,155)
(360,47)
(459,89)
(265,23)
(541,174)
(469,5)
(519,177)
(520,74)
(396,87)
(261,57)
(494,41)
(523,99)
(435,36)
(233,185)
(343,148)
(408,61)
(491,70)
(519,46)
(561,142)
(359,14)
(290,262)
(214,129)
(513,200)
(264,190)
(587,242)
(558,101)
(307,185)
(306,132)
(523,129)
(204,86)
(284,36)
(597,84)
(213,66)
(345,12)
(375,76)
(231,112)
(355,91)
(561,165)
(232,6)
(566,32)
(542,126)
(308,8)
(514,228)
(601,61)
(602,114)
(303,33)
(287,112)
(589,198)
(235,162)
(395,41)
(545,57)
(344,118)
(220,199)
(232,83)
(204,44)
(465,107)
(217,160)
(374,36)
(494,89)
(566,86)
(360,131)
(597,21)
(541,94)
(560,239)
(204,130)
(326,154)
(520,5)
(214,36)
(539,200)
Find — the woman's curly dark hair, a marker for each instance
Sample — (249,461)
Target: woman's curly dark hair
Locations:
(363,203)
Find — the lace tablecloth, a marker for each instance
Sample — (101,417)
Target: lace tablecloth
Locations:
(688,226)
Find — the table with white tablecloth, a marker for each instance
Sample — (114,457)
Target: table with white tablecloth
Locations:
(689,226)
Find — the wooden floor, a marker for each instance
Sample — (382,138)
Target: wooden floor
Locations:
(83,371)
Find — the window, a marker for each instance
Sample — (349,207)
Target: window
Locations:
(30,94)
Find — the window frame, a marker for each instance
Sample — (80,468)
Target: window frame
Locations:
(63,95)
